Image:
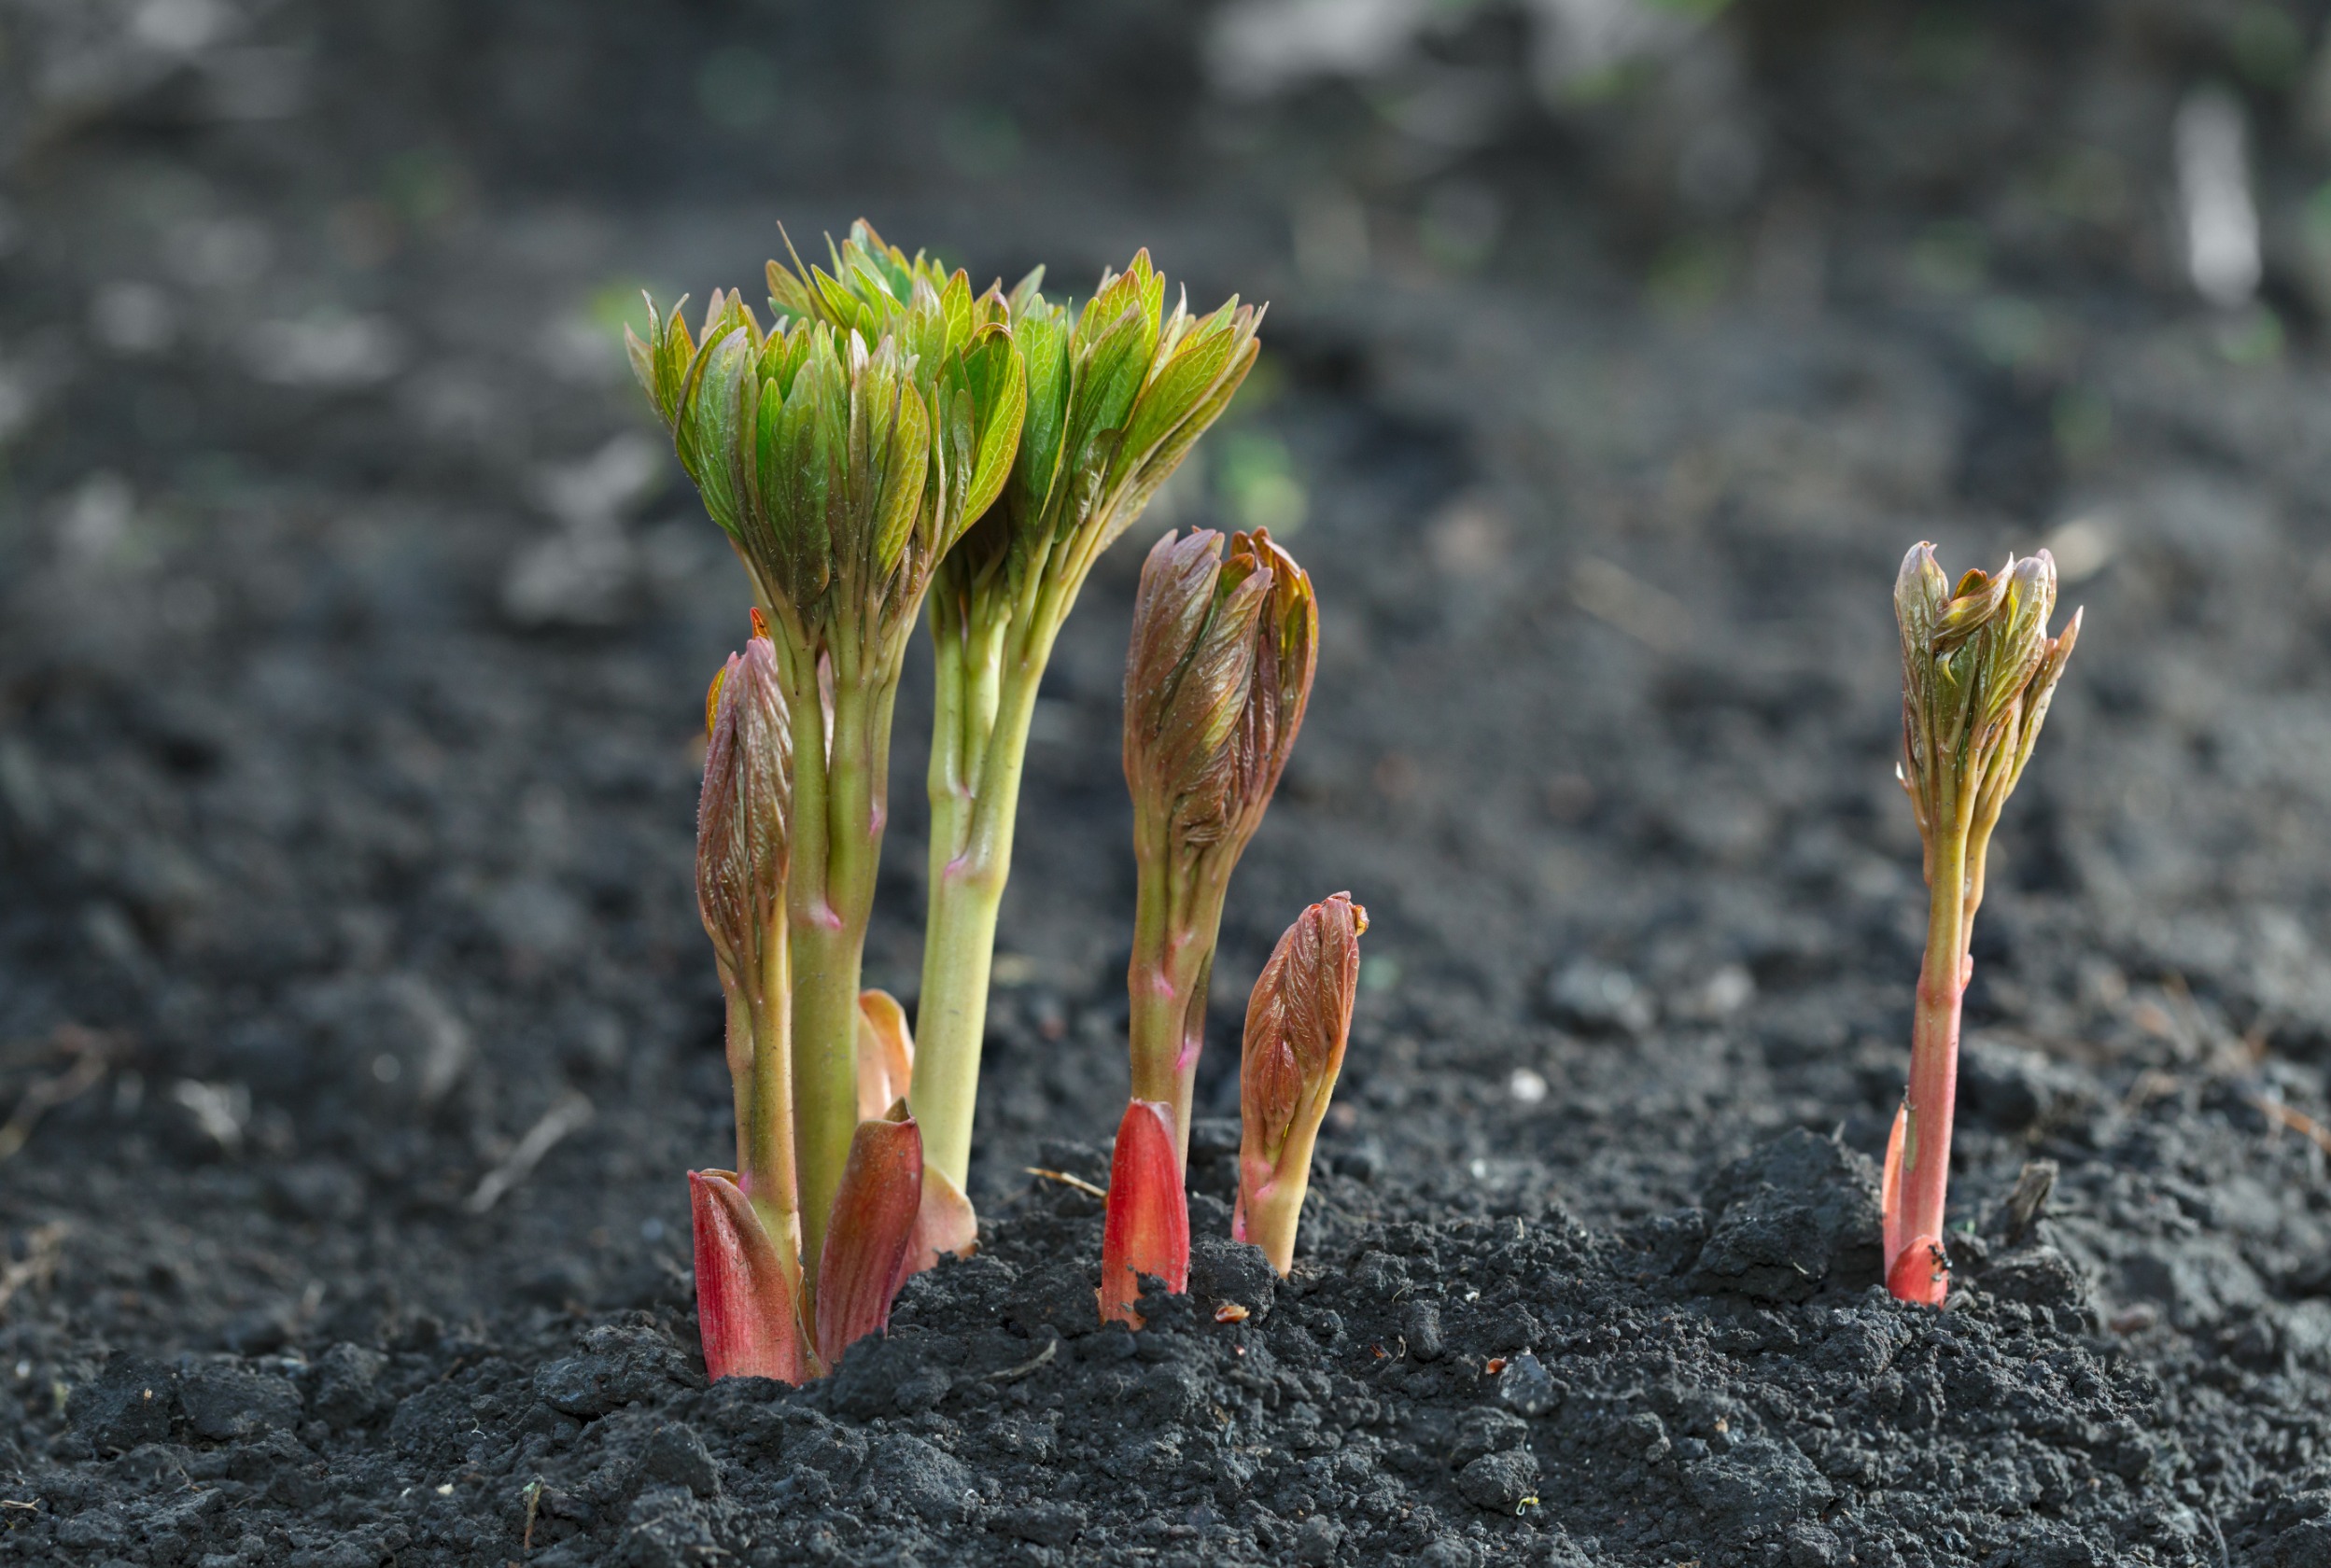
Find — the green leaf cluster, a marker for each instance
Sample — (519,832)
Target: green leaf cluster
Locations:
(1979,671)
(845,449)
(1116,395)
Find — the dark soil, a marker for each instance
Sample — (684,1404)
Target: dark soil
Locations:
(351,651)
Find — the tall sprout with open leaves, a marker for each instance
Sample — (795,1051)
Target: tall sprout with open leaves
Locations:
(1116,395)
(1978,672)
(844,452)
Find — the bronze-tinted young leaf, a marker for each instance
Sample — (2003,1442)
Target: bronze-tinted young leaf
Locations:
(741,815)
(1287,658)
(1298,1019)
(1189,680)
(746,1308)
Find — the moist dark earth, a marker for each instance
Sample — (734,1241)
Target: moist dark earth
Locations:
(358,1028)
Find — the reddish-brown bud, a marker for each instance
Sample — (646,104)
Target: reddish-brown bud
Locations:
(1216,680)
(742,816)
(1299,1021)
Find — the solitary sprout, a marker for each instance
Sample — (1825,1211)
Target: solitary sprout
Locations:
(1978,672)
(891,437)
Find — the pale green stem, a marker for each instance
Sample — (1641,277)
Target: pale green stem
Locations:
(740,1064)
(987,702)
(830,902)
(1271,1199)
(1177,919)
(767,1158)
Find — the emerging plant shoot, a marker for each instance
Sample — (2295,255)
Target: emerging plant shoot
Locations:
(1978,671)
(1223,653)
(1297,1022)
(747,1224)
(1115,397)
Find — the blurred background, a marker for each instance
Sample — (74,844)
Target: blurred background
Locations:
(354,618)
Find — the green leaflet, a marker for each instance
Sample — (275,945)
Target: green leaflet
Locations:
(1178,388)
(996,382)
(710,420)
(1169,453)
(1027,291)
(955,310)
(1041,333)
(809,452)
(890,455)
(1138,289)
(1109,377)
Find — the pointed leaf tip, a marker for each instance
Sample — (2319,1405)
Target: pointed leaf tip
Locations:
(746,1305)
(1148,1231)
(946,1222)
(886,1054)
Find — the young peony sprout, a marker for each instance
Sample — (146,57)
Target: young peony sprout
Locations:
(747,1225)
(1297,1022)
(1115,397)
(1978,671)
(1223,653)
(844,452)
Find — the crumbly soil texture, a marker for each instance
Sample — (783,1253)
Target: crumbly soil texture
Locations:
(357,1028)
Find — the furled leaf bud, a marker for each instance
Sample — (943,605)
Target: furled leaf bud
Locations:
(1215,683)
(1297,1022)
(743,812)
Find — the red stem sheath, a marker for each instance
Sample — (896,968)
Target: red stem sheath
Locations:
(745,1303)
(869,1245)
(1917,1157)
(1148,1227)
